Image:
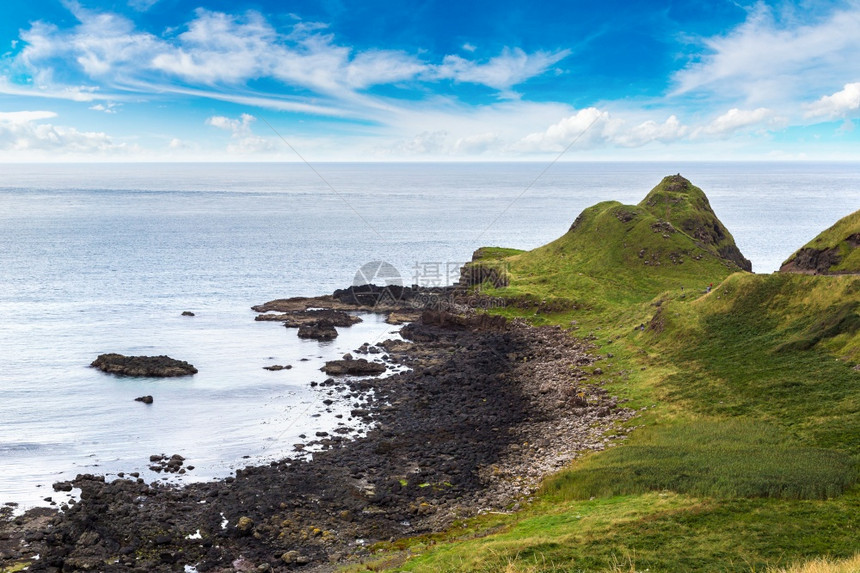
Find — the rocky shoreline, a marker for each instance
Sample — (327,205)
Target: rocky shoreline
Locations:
(487,408)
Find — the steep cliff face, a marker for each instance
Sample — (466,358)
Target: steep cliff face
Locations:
(836,251)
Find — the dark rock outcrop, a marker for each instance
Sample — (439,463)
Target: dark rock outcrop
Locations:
(143,366)
(360,367)
(835,251)
(299,318)
(322,330)
(812,261)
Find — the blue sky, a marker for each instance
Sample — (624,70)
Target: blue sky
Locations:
(126,80)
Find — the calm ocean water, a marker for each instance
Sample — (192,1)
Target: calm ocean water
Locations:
(104,258)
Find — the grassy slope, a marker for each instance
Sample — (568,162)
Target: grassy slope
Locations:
(749,452)
(836,237)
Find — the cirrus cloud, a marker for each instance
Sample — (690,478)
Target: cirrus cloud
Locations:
(219,51)
(773,57)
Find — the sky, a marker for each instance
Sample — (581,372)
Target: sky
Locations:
(466,80)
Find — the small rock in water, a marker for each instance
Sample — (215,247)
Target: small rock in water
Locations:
(322,330)
(187,313)
(145,366)
(144,399)
(63,486)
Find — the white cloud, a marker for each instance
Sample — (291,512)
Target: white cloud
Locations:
(649,131)
(244,140)
(592,128)
(774,57)
(477,144)
(219,47)
(585,129)
(842,104)
(72,93)
(381,67)
(238,127)
(738,119)
(11,117)
(22,134)
(219,50)
(108,107)
(558,136)
(511,67)
(469,47)
(101,44)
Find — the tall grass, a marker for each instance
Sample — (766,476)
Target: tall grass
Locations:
(823,565)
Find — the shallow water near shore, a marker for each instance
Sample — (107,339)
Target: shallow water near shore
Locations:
(104,258)
(231,414)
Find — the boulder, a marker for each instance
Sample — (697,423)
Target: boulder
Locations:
(322,330)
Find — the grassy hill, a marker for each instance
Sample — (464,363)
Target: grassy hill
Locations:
(621,254)
(746,455)
(835,251)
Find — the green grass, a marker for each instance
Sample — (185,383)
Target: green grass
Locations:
(743,362)
(490,253)
(747,457)
(683,204)
(715,458)
(655,532)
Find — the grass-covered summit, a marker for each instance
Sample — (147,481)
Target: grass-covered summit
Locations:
(624,253)
(687,208)
(834,251)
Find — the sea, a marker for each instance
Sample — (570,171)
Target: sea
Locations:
(98,258)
